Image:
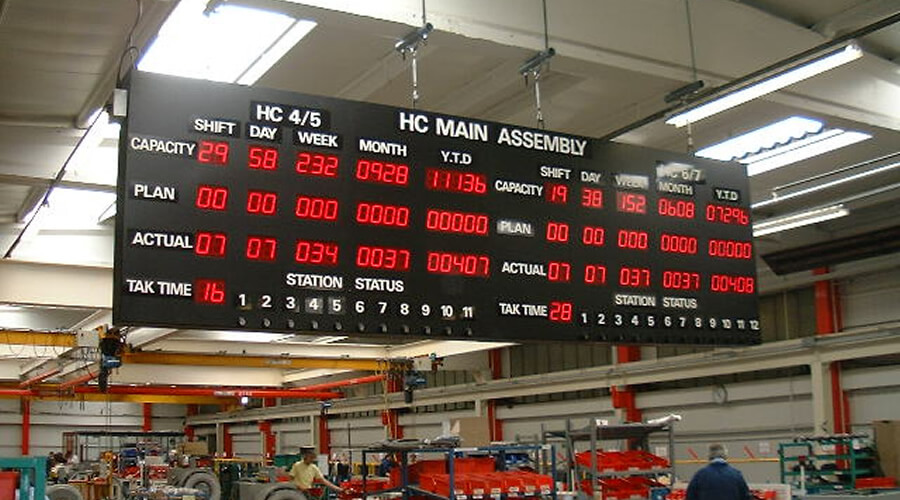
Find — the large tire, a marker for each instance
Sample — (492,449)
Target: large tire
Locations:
(279,491)
(287,494)
(206,482)
(63,492)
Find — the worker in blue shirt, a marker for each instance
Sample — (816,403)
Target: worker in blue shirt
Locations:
(718,480)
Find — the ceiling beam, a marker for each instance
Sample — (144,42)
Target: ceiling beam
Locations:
(31,283)
(285,363)
(43,182)
(592,32)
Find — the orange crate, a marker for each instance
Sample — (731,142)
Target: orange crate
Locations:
(9,483)
(866,483)
(474,464)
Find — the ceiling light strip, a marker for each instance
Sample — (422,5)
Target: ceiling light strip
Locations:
(778,198)
(799,219)
(767,85)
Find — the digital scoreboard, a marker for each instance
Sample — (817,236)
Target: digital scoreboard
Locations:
(263,210)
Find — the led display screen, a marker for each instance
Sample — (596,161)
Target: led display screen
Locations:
(262,210)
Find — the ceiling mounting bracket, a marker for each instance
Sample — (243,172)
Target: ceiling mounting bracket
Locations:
(409,44)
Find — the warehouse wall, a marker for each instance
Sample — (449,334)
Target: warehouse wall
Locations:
(49,419)
(870,299)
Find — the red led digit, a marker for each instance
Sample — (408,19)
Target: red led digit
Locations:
(317,164)
(727,283)
(262,202)
(560,312)
(681,280)
(726,214)
(634,203)
(593,235)
(558,232)
(309,207)
(458,264)
(209,244)
(591,198)
(632,239)
(447,221)
(212,152)
(455,181)
(382,172)
(390,259)
(636,277)
(595,274)
(730,249)
(211,197)
(319,253)
(675,208)
(556,193)
(676,243)
(559,271)
(262,158)
(378,214)
(209,291)
(261,248)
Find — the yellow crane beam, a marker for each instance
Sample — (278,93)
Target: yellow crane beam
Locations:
(50,339)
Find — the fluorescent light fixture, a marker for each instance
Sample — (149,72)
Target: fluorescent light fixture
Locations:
(778,198)
(230,44)
(781,143)
(71,209)
(800,150)
(800,219)
(780,132)
(768,85)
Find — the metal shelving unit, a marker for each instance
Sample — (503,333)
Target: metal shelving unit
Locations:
(451,454)
(596,433)
(817,471)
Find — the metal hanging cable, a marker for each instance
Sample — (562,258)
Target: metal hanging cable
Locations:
(684,96)
(535,66)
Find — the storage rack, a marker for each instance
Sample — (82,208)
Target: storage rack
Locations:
(499,452)
(595,432)
(32,472)
(845,464)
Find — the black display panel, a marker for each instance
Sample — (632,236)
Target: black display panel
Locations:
(255,209)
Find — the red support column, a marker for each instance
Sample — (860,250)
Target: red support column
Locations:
(495,363)
(148,417)
(265,427)
(324,436)
(26,426)
(390,418)
(623,397)
(828,320)
(188,429)
(227,441)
